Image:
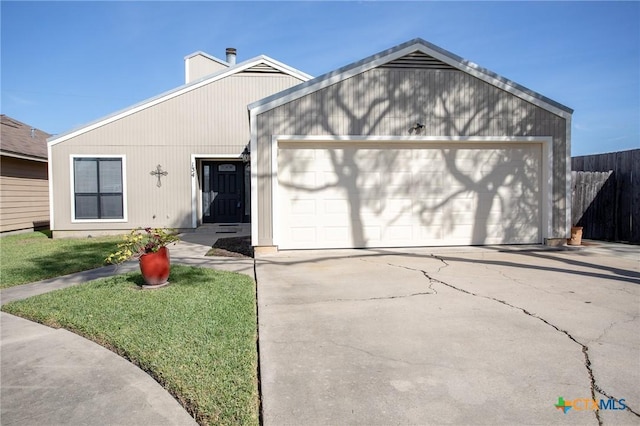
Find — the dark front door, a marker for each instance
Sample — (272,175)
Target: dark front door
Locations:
(222,191)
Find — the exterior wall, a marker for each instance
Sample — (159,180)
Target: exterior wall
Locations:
(24,194)
(199,66)
(211,120)
(388,101)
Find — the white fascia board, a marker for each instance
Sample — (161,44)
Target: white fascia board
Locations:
(51,200)
(196,84)
(398,52)
(286,68)
(206,55)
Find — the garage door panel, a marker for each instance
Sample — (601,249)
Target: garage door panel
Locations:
(333,206)
(303,234)
(369,180)
(429,217)
(337,233)
(408,195)
(303,207)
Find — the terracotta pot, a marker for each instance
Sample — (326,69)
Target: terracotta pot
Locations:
(576,236)
(155,267)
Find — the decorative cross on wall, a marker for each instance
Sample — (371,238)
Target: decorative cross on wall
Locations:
(159,173)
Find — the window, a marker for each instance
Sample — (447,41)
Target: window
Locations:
(98,188)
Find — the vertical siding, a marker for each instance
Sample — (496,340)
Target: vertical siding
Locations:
(24,194)
(389,101)
(211,120)
(200,66)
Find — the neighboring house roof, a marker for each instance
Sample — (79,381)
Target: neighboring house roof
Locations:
(258,64)
(403,52)
(21,140)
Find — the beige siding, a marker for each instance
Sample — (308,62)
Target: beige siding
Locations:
(24,194)
(389,101)
(211,120)
(199,66)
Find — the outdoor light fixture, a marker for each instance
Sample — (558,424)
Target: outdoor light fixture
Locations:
(416,128)
(246,155)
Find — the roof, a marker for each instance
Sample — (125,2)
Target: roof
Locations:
(394,53)
(235,69)
(18,140)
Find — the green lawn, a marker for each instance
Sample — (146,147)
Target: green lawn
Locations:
(25,258)
(196,337)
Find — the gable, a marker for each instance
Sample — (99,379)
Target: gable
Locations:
(260,65)
(415,53)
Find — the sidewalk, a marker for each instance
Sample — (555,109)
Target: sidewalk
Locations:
(52,376)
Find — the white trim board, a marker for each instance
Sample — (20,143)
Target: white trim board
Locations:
(546,142)
(72,192)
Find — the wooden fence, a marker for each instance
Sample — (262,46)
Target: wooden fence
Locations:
(607,205)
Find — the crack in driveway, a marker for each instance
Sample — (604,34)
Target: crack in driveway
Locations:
(594,387)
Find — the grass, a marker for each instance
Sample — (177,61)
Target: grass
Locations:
(26,258)
(196,337)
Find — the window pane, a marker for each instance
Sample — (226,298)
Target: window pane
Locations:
(111,206)
(110,176)
(86,206)
(85,175)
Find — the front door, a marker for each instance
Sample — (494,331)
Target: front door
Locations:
(222,191)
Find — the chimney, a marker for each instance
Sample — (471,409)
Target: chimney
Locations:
(231,55)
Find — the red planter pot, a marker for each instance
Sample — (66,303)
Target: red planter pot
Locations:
(155,267)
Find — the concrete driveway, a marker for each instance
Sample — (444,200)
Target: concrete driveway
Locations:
(449,336)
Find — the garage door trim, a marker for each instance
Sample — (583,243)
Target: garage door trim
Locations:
(544,141)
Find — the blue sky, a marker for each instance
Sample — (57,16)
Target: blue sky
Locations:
(64,64)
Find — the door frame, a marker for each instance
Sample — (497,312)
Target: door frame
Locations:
(196,169)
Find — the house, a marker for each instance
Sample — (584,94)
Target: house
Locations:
(24,194)
(413,146)
(175,160)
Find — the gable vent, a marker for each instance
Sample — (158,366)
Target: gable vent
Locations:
(263,69)
(418,59)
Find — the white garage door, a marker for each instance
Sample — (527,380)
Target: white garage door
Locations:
(334,195)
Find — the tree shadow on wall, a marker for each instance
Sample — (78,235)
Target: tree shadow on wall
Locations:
(452,190)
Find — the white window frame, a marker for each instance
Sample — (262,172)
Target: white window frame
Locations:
(122,158)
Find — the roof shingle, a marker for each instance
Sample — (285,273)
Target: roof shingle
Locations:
(17,138)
